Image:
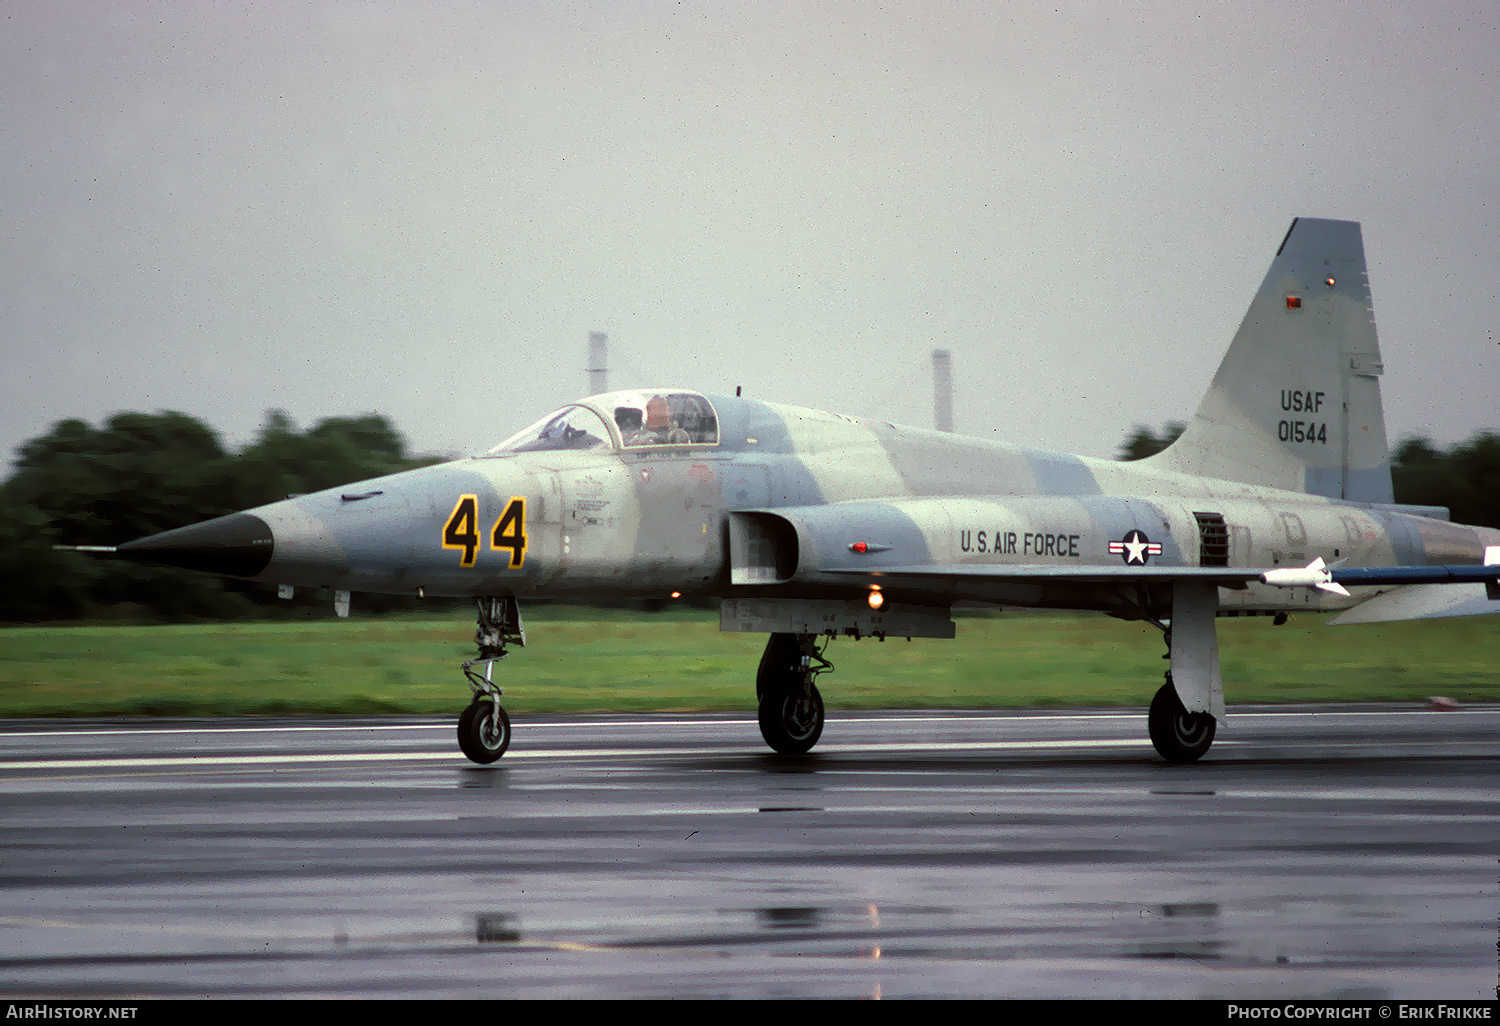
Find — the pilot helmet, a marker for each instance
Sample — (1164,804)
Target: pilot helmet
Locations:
(657,415)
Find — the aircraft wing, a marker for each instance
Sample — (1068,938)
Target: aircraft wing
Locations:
(1466,573)
(1053,573)
(1422,592)
(1310,576)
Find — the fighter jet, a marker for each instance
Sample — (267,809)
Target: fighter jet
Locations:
(808,526)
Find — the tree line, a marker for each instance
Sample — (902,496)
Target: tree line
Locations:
(140,473)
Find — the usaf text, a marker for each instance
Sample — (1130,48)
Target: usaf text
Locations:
(1010,543)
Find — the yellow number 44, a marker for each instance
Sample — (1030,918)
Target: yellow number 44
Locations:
(461,532)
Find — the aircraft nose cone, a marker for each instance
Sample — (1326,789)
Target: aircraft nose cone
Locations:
(238,545)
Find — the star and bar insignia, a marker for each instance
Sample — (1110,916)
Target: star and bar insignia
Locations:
(1135,548)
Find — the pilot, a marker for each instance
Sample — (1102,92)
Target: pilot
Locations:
(659,422)
(632,430)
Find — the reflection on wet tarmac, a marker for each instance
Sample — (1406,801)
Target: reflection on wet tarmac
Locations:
(486,777)
(1191,909)
(494,927)
(785,918)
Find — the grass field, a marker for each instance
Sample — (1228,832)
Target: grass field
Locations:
(579,661)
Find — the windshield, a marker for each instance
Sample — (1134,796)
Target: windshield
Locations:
(573,427)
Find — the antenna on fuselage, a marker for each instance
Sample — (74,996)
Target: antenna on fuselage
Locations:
(942,390)
(598,364)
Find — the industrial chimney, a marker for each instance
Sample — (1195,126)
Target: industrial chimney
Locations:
(942,390)
(598,367)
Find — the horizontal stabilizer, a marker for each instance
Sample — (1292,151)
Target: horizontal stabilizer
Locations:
(1421,602)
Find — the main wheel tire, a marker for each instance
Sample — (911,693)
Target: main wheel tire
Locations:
(484,732)
(791,721)
(1179,736)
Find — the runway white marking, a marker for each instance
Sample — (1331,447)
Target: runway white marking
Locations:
(643,724)
(730,745)
(235,761)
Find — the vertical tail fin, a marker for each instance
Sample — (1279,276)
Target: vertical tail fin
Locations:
(1296,402)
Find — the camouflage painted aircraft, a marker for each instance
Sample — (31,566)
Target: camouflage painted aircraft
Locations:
(810,525)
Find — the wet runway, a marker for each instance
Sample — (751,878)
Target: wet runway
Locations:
(1334,852)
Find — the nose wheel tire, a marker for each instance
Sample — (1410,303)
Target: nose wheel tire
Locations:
(484,732)
(1179,736)
(791,720)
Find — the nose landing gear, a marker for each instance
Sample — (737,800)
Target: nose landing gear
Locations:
(484,728)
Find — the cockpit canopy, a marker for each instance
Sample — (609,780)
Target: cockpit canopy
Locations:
(635,419)
(661,418)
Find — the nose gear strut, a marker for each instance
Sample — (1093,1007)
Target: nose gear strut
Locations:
(484,728)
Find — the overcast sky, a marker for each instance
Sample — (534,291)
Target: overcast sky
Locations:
(422,209)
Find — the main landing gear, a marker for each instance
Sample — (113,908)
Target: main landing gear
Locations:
(1193,679)
(483,728)
(790,707)
(1179,736)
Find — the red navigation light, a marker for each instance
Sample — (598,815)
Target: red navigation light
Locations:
(860,547)
(1294,302)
